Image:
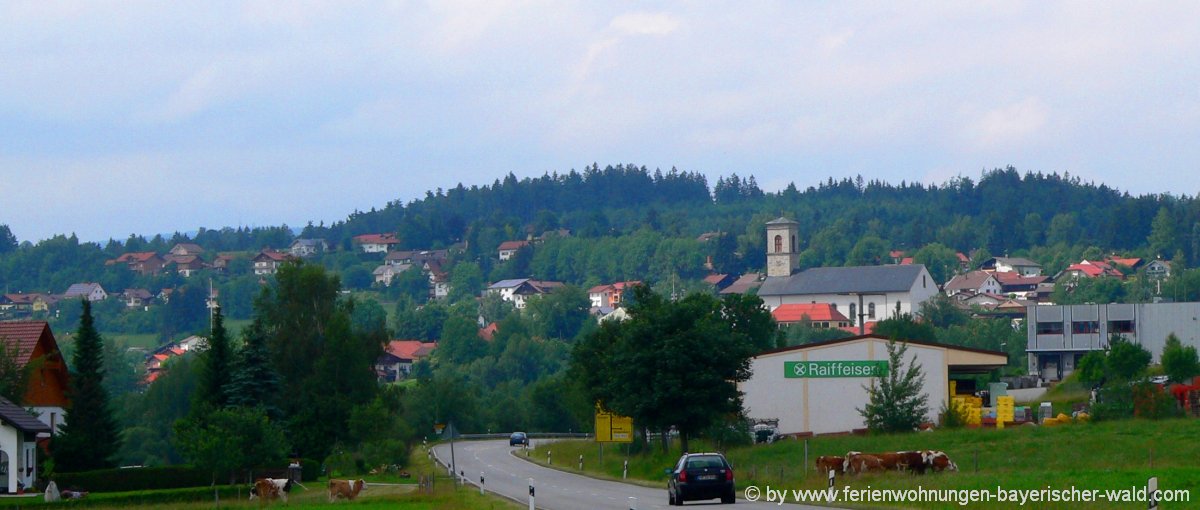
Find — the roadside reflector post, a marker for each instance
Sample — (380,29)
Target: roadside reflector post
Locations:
(581,462)
(805,459)
(831,476)
(625,470)
(1152,492)
(548,461)
(531,504)
(632,503)
(481,483)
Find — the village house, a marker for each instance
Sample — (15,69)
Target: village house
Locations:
(37,349)
(185,265)
(384,274)
(1158,269)
(1089,269)
(609,296)
(89,291)
(143,263)
(817,315)
(509,248)
(185,249)
(375,243)
(268,261)
(304,248)
(398,357)
(1012,265)
(137,298)
(19,432)
(416,257)
(971,283)
(518,291)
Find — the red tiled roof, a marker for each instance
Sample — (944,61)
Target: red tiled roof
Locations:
(818,312)
(906,261)
(868,327)
(376,239)
(26,334)
(1132,262)
(512,245)
(1012,278)
(714,278)
(962,258)
(489,332)
(273,255)
(896,254)
(409,349)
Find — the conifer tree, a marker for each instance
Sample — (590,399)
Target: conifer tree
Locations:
(216,367)
(89,438)
(254,382)
(897,402)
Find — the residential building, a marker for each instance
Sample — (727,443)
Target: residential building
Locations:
(18,446)
(1020,286)
(509,248)
(143,263)
(1158,269)
(221,263)
(268,261)
(186,265)
(610,295)
(137,298)
(1059,335)
(1012,265)
(304,248)
(416,257)
(880,291)
(398,357)
(744,284)
(386,272)
(972,282)
(375,243)
(37,351)
(88,291)
(185,249)
(1088,269)
(518,291)
(720,281)
(817,315)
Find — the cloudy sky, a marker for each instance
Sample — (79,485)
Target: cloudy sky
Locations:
(145,117)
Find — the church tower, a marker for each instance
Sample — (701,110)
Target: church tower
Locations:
(782,257)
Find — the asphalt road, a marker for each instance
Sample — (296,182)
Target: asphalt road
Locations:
(508,476)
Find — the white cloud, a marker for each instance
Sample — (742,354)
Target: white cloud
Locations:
(1013,123)
(645,23)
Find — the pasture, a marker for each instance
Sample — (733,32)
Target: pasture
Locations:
(1114,455)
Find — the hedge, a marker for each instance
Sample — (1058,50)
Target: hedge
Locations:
(134,479)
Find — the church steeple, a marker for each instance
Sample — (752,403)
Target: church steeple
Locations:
(782,256)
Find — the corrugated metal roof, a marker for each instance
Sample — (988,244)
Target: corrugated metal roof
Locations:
(838,280)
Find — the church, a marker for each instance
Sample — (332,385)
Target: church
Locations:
(864,294)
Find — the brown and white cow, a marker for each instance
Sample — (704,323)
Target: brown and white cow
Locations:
(348,489)
(827,462)
(937,460)
(862,462)
(265,490)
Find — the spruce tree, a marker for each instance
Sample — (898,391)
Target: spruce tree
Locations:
(898,403)
(216,367)
(89,438)
(254,382)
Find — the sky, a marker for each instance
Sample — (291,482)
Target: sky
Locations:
(133,117)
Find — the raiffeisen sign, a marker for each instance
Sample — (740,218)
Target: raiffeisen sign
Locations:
(823,369)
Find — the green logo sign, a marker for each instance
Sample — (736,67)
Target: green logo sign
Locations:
(822,369)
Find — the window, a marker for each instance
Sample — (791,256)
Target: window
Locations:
(1049,328)
(1120,326)
(1085,327)
(778,243)
(853,312)
(923,284)
(793,244)
(871,310)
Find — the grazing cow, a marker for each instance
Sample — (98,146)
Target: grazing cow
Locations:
(280,487)
(861,463)
(913,461)
(348,489)
(827,462)
(938,460)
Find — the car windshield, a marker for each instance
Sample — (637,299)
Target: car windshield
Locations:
(707,461)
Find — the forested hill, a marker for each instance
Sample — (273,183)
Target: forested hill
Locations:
(1050,217)
(1054,219)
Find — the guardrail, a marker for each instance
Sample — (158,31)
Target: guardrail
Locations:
(531,435)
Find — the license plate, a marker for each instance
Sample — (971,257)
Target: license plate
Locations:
(706,477)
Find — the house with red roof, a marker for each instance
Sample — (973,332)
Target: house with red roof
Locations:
(36,347)
(818,315)
(398,357)
(1089,269)
(609,295)
(268,261)
(509,248)
(144,262)
(375,243)
(974,282)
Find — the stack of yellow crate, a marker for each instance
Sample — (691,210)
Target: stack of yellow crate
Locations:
(1004,411)
(970,407)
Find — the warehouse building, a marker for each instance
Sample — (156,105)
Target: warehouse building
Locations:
(818,388)
(1058,336)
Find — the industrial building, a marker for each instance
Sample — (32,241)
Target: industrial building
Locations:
(818,388)
(1062,334)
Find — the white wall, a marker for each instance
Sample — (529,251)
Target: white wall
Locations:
(827,405)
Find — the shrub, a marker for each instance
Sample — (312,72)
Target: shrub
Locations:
(135,479)
(1151,401)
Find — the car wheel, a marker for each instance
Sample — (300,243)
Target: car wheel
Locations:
(729,499)
(670,498)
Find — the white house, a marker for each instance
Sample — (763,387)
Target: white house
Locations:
(519,290)
(509,248)
(384,274)
(267,262)
(818,388)
(974,282)
(376,243)
(1012,265)
(879,290)
(308,247)
(89,291)
(18,445)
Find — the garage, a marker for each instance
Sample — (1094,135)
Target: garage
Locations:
(818,388)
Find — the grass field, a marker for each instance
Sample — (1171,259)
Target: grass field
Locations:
(382,492)
(1115,455)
